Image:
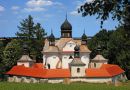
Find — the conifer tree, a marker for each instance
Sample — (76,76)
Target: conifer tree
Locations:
(33,34)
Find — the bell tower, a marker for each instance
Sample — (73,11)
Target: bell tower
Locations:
(52,39)
(77,67)
(84,39)
(66,29)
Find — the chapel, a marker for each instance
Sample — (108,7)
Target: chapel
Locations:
(65,59)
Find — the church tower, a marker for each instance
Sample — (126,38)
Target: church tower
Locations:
(98,60)
(84,39)
(77,67)
(51,39)
(66,29)
(25,59)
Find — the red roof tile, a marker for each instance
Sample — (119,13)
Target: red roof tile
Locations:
(112,69)
(57,73)
(38,65)
(37,70)
(106,70)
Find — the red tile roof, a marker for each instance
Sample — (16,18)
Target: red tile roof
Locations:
(38,65)
(37,70)
(57,73)
(106,70)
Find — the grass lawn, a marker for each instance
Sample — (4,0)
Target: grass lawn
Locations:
(72,86)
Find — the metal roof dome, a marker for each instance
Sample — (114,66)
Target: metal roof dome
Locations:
(51,37)
(76,48)
(84,36)
(66,25)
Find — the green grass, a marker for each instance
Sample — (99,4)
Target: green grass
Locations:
(72,86)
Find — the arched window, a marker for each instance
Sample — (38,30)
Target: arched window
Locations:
(48,66)
(78,70)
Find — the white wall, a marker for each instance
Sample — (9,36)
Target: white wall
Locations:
(74,72)
(91,80)
(26,64)
(69,46)
(66,61)
(52,60)
(85,59)
(55,80)
(44,59)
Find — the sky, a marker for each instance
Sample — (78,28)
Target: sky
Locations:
(51,14)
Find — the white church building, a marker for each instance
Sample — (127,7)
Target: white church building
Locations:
(65,60)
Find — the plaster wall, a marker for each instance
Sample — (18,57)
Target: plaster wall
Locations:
(26,64)
(52,60)
(92,80)
(69,46)
(85,59)
(75,73)
(66,61)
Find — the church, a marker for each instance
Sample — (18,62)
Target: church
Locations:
(65,60)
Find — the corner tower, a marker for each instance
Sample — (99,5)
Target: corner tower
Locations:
(52,39)
(66,29)
(77,67)
(84,39)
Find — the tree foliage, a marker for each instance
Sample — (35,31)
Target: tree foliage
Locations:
(118,44)
(101,38)
(33,34)
(105,8)
(1,50)
(11,54)
(114,47)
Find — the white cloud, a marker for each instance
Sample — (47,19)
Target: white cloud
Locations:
(1,8)
(37,5)
(79,3)
(34,9)
(89,1)
(74,13)
(15,8)
(40,5)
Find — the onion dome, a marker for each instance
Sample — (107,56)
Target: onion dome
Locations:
(52,37)
(84,39)
(66,25)
(84,36)
(76,48)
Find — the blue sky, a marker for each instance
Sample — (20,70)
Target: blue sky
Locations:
(51,14)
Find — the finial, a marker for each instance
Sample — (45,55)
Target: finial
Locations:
(84,30)
(66,15)
(51,31)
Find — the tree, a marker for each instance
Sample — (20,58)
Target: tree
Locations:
(104,8)
(26,28)
(32,34)
(39,42)
(26,32)
(11,54)
(1,57)
(118,53)
(117,10)
(1,50)
(102,39)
